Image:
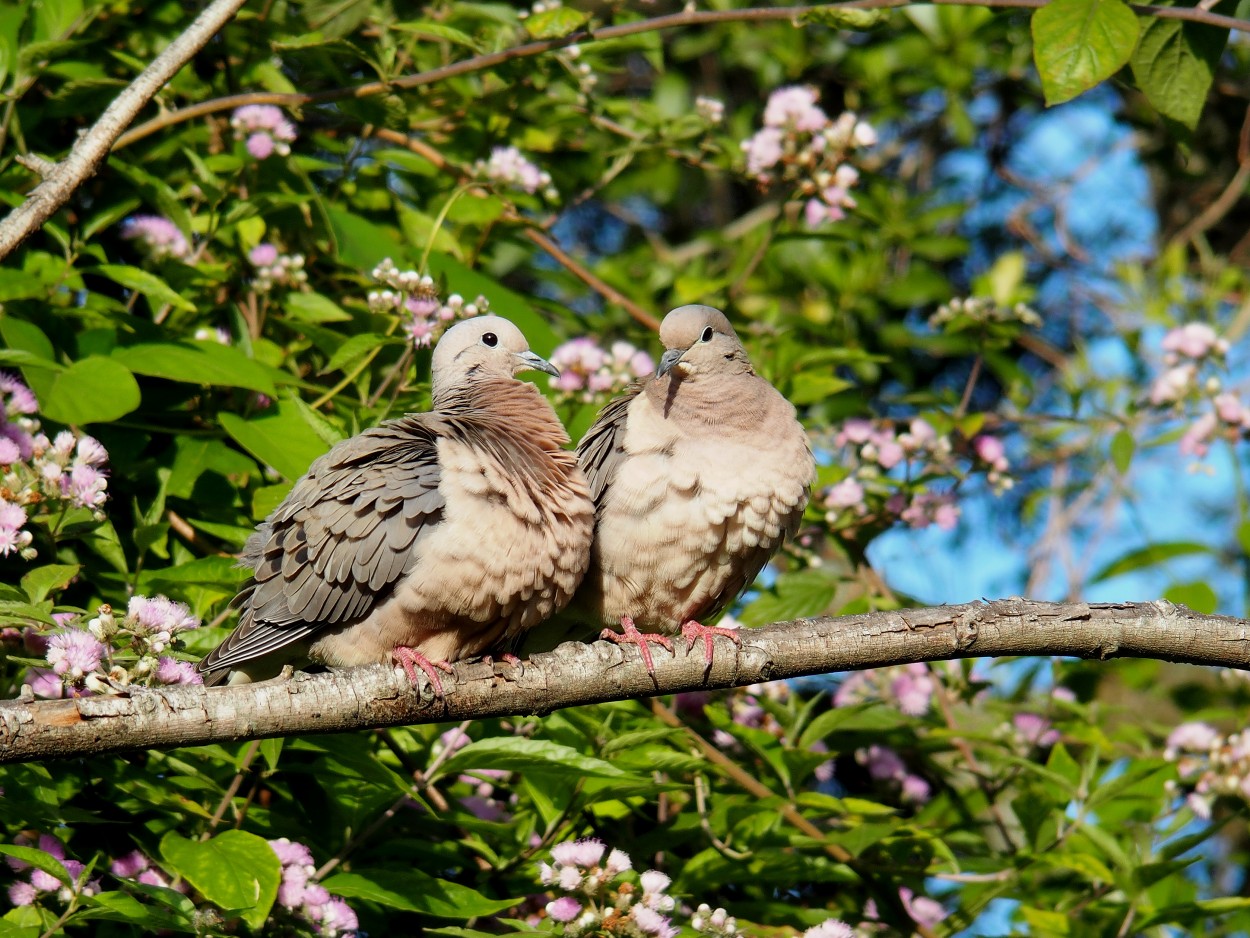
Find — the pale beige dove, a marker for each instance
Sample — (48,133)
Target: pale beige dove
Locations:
(698,475)
(427,539)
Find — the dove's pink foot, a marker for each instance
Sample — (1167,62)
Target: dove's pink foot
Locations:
(632,636)
(692,631)
(410,660)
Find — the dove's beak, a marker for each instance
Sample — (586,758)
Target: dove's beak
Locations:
(668,360)
(530,361)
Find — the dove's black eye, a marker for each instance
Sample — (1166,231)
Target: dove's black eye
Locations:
(707,335)
(490,340)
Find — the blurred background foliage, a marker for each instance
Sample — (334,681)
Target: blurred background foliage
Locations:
(1013,333)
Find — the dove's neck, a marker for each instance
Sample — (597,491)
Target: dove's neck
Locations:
(515,407)
(723,400)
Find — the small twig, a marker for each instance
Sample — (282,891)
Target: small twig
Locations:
(184,530)
(36,164)
(248,757)
(700,803)
(1227,199)
(969,387)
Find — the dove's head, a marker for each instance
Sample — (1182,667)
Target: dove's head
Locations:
(698,340)
(483,347)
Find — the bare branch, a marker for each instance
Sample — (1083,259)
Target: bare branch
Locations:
(577,673)
(61,179)
(479,63)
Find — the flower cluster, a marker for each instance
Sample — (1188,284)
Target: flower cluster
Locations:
(886,765)
(108,653)
(265,128)
(136,866)
(415,298)
(39,476)
(599,900)
(508,167)
(711,110)
(960,314)
(299,894)
(274,269)
(589,372)
(40,884)
(1192,354)
(159,236)
(908,687)
(800,145)
(1209,764)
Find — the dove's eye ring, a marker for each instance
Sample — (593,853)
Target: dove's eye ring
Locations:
(490,340)
(707,335)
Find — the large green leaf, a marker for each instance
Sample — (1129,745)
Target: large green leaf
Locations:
(235,870)
(802,593)
(1143,557)
(1174,64)
(518,754)
(280,438)
(414,891)
(157,291)
(1078,43)
(94,390)
(197,363)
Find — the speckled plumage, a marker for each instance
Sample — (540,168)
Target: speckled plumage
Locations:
(449,533)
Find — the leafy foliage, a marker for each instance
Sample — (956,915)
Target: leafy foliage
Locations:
(246,282)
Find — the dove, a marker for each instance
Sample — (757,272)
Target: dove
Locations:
(427,539)
(698,474)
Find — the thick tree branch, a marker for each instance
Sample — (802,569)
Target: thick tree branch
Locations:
(581,674)
(61,179)
(479,63)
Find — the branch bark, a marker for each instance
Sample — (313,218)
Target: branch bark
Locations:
(576,673)
(60,180)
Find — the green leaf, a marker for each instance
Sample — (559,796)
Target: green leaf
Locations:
(802,593)
(157,291)
(414,891)
(1078,43)
(518,754)
(1122,448)
(328,432)
(38,859)
(94,390)
(280,438)
(313,307)
(1148,556)
(1174,65)
(197,363)
(235,870)
(552,23)
(812,388)
(356,348)
(1197,596)
(44,580)
(426,29)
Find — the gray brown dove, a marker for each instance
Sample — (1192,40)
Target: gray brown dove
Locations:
(426,539)
(698,474)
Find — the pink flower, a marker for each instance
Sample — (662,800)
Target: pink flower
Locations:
(129,865)
(650,922)
(91,452)
(172,671)
(856,430)
(764,150)
(1035,729)
(1193,737)
(260,146)
(830,928)
(20,399)
(160,236)
(846,494)
(1228,408)
(86,486)
(795,106)
(922,909)
(337,918)
(12,516)
(74,653)
(1172,385)
(45,684)
(618,862)
(564,909)
(509,166)
(1196,440)
(915,790)
(1193,340)
(990,450)
(578,853)
(156,614)
(263,255)
(265,128)
(22,893)
(882,762)
(889,453)
(291,853)
(9,452)
(913,688)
